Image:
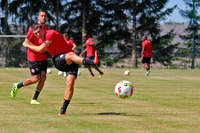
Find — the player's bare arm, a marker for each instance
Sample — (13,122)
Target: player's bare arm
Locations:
(83,52)
(38,49)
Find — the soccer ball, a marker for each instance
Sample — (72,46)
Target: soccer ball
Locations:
(49,71)
(127,72)
(65,74)
(124,89)
(79,73)
(60,73)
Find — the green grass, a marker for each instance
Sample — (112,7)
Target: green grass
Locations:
(168,101)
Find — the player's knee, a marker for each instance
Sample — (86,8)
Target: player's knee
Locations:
(34,79)
(43,76)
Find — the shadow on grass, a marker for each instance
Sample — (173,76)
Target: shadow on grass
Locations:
(114,113)
(111,113)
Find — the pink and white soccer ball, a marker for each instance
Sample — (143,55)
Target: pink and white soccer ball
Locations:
(124,89)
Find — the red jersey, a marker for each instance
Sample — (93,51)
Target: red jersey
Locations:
(69,42)
(147,45)
(31,55)
(58,45)
(90,47)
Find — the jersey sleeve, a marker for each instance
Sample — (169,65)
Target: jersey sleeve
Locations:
(49,36)
(29,34)
(71,42)
(90,42)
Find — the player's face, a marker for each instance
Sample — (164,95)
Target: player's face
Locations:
(42,18)
(84,37)
(38,32)
(66,37)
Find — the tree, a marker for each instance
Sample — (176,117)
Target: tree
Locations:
(192,15)
(140,17)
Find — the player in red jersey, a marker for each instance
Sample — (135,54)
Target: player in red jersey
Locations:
(90,54)
(69,41)
(63,56)
(146,54)
(36,61)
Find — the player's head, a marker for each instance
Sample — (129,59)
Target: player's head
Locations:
(66,36)
(37,30)
(85,36)
(144,38)
(42,16)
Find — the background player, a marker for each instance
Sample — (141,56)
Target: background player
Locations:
(36,61)
(63,57)
(146,54)
(69,41)
(90,54)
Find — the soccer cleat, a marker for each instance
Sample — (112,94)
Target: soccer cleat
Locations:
(100,75)
(14,90)
(33,101)
(91,76)
(147,73)
(96,60)
(59,114)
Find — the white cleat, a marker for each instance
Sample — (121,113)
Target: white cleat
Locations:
(147,73)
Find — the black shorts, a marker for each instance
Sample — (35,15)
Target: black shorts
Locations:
(92,58)
(146,60)
(60,64)
(37,66)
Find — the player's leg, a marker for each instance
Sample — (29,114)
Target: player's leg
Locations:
(40,85)
(72,71)
(39,88)
(91,73)
(148,66)
(68,93)
(35,77)
(100,72)
(72,57)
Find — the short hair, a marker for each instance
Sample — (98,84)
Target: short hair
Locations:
(41,10)
(145,36)
(65,34)
(35,26)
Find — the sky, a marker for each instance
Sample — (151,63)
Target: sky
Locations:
(175,16)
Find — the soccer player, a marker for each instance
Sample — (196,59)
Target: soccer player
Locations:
(63,56)
(69,41)
(90,54)
(146,54)
(36,61)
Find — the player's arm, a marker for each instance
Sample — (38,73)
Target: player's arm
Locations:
(35,48)
(73,46)
(83,52)
(142,52)
(28,41)
(84,44)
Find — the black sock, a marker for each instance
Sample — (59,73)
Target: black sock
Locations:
(100,72)
(64,107)
(148,69)
(20,85)
(91,72)
(37,92)
(88,62)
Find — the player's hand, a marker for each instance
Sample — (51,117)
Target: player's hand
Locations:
(25,45)
(81,55)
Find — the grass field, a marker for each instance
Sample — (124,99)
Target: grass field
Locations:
(168,101)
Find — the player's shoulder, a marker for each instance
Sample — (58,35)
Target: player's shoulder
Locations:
(50,31)
(45,27)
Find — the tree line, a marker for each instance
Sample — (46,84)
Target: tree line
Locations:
(115,25)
